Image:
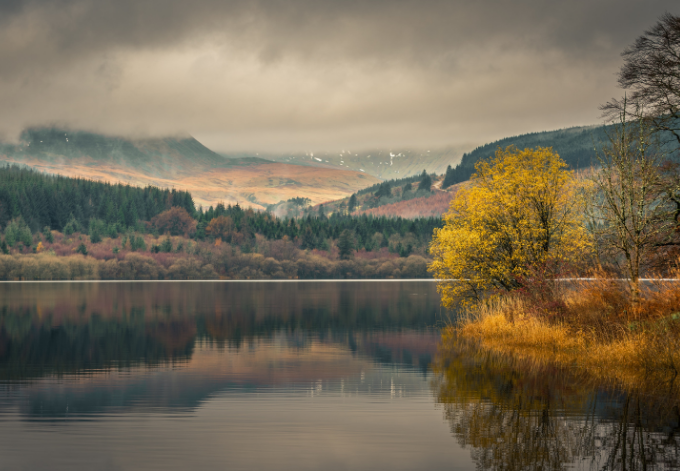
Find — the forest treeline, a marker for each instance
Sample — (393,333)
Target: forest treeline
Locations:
(208,263)
(50,222)
(576,146)
(55,201)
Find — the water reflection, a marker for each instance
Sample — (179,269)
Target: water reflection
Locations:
(69,328)
(169,347)
(517,416)
(207,376)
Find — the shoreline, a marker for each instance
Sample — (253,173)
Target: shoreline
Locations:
(629,352)
(325,280)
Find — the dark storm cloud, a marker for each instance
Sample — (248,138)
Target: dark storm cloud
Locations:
(313,70)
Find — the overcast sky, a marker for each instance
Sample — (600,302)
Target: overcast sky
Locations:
(297,75)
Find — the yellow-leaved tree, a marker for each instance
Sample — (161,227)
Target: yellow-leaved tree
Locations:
(521,210)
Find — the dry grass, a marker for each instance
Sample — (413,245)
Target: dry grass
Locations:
(600,330)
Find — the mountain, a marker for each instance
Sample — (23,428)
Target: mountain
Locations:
(381,163)
(179,162)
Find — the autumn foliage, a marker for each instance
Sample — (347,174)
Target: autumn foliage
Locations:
(521,210)
(221,227)
(175,221)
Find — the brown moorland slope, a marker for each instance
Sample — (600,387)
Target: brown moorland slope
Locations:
(425,206)
(182,163)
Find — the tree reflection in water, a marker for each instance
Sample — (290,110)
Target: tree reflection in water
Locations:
(522,416)
(69,328)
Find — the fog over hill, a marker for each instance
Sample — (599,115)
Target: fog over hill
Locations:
(385,164)
(179,162)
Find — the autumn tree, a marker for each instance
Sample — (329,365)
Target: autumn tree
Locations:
(521,210)
(175,221)
(221,227)
(650,75)
(628,199)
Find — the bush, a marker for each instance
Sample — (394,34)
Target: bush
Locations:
(191,269)
(139,267)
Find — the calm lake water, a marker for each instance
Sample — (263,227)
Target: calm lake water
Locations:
(308,375)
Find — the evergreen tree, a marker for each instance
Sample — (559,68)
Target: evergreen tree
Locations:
(385,189)
(18,231)
(352,203)
(346,244)
(166,246)
(95,230)
(449,178)
(425,182)
(48,234)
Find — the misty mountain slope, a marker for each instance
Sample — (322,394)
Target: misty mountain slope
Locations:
(384,164)
(182,163)
(162,157)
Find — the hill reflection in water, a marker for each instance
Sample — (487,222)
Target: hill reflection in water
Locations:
(205,337)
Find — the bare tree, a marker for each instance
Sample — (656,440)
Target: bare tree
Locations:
(651,74)
(629,196)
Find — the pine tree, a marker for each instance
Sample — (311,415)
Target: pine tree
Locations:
(346,244)
(425,182)
(352,203)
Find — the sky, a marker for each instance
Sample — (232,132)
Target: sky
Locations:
(314,75)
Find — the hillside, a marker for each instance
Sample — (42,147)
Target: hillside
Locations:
(383,163)
(425,206)
(179,162)
(399,198)
(576,146)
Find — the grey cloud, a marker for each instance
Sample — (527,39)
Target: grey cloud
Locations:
(315,69)
(382,30)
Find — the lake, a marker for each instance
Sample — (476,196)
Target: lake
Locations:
(293,375)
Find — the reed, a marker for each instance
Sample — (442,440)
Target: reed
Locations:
(599,329)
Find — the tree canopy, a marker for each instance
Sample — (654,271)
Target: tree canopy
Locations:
(522,209)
